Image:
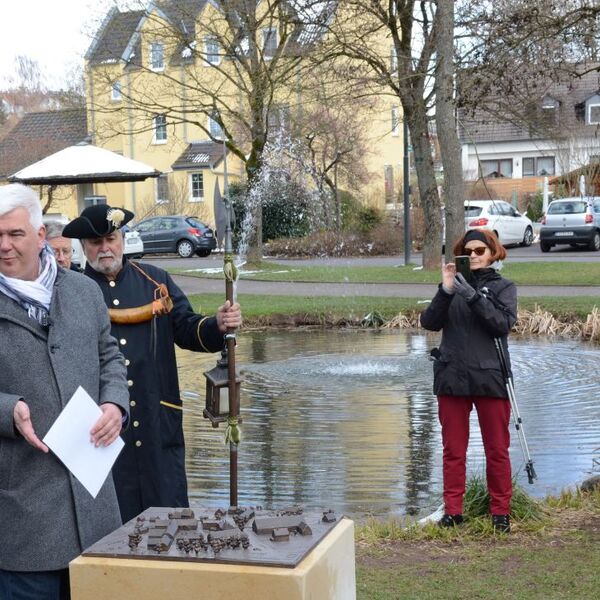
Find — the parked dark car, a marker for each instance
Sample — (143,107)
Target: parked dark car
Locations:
(184,235)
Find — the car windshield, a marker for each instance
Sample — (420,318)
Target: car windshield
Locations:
(472,211)
(567,208)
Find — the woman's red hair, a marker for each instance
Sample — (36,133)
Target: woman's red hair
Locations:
(492,242)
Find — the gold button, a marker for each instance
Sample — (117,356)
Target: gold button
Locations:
(122,341)
(132,403)
(130,382)
(136,423)
(127,362)
(112,283)
(138,443)
(116,302)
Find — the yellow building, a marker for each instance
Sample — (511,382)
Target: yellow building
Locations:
(161,85)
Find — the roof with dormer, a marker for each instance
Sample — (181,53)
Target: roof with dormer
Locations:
(199,155)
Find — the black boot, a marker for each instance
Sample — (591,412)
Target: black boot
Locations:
(451,520)
(501,523)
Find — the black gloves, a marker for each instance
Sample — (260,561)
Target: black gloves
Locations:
(464,289)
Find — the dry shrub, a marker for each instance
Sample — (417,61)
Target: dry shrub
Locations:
(384,238)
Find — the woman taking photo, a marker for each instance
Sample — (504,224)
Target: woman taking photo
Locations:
(471,314)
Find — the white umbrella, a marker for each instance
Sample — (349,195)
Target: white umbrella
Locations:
(83,163)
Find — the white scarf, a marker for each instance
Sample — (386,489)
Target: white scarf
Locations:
(34,296)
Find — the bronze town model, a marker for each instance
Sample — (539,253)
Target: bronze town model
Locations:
(240,535)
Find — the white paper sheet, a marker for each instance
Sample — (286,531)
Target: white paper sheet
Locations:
(69,439)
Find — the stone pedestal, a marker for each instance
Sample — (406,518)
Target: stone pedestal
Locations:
(326,573)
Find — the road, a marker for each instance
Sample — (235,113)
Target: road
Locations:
(194,285)
(516,254)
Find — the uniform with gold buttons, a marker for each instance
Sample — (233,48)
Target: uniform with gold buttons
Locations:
(150,470)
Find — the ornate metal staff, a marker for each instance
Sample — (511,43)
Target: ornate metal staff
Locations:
(232,435)
(222,382)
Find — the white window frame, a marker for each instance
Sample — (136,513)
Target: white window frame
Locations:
(266,36)
(589,115)
(395,121)
(115,92)
(155,128)
(536,167)
(192,197)
(162,177)
(212,123)
(393,60)
(151,56)
(207,56)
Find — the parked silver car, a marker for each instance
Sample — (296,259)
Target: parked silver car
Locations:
(574,221)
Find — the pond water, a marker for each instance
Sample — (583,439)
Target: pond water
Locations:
(347,419)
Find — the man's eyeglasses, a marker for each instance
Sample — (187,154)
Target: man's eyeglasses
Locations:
(479,251)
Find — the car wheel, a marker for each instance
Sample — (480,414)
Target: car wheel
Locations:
(595,242)
(185,248)
(203,253)
(496,234)
(545,247)
(527,237)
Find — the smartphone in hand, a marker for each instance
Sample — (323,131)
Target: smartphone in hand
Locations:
(463,266)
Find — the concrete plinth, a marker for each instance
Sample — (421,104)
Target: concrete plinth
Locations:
(327,573)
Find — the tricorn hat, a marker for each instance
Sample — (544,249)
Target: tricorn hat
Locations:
(97,221)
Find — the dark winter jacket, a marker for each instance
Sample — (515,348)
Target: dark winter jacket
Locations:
(467,363)
(150,471)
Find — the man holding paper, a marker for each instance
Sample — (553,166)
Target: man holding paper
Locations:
(56,338)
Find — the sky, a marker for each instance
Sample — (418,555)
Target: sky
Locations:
(56,33)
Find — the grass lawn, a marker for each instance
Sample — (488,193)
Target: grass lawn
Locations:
(554,555)
(565,566)
(529,273)
(327,308)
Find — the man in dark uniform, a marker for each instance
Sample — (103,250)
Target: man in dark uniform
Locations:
(149,315)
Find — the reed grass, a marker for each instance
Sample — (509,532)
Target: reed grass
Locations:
(530,516)
(529,322)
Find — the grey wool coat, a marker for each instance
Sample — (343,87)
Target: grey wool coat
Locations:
(46,516)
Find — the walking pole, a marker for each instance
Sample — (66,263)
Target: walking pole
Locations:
(531,474)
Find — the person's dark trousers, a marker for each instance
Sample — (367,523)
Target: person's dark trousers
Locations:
(35,585)
(494,417)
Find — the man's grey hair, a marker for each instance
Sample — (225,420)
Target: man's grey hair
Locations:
(54,229)
(17,195)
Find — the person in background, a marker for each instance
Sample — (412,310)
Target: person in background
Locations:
(55,337)
(149,315)
(61,246)
(471,315)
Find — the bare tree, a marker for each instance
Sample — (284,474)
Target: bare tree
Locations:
(334,134)
(445,118)
(405,72)
(223,79)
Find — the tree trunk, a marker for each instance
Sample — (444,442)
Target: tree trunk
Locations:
(445,118)
(255,241)
(428,192)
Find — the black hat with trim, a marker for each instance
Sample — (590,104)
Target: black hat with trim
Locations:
(97,221)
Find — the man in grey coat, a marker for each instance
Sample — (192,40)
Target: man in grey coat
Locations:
(55,337)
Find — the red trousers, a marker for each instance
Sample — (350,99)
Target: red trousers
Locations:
(494,416)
